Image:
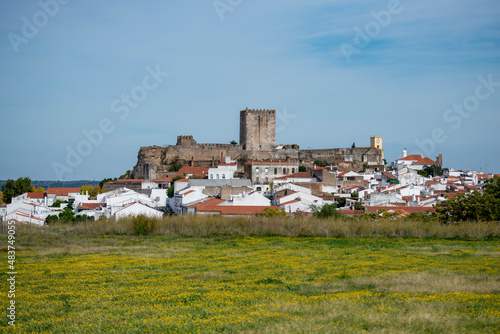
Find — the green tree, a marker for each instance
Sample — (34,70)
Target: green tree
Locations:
(101,184)
(302,168)
(341,202)
(39,189)
(270,212)
(326,211)
(175,164)
(432,170)
(358,206)
(93,190)
(67,215)
(478,205)
(13,188)
(127,175)
(233,142)
(321,163)
(353,145)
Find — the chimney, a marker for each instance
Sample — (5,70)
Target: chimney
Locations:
(405,153)
(221,157)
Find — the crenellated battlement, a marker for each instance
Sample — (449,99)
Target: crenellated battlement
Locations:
(211,145)
(186,141)
(263,111)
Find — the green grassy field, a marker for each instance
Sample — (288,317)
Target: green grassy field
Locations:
(167,284)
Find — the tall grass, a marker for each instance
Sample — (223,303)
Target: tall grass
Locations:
(208,225)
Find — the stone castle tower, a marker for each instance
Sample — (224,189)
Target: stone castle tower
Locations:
(258,129)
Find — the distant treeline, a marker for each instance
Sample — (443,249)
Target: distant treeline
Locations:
(59,184)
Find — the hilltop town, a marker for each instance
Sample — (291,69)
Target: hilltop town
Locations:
(248,177)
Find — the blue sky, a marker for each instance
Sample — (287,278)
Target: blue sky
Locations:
(413,65)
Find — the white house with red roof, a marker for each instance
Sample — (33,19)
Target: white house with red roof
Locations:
(37,198)
(253,199)
(299,196)
(136,209)
(184,198)
(224,170)
(27,212)
(415,161)
(406,160)
(62,194)
(423,163)
(298,205)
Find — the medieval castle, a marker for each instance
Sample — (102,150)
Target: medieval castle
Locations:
(257,142)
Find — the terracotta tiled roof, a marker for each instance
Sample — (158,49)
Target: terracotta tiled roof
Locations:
(36,195)
(91,206)
(165,179)
(486,176)
(207,203)
(390,176)
(182,180)
(62,191)
(411,157)
(200,172)
(425,161)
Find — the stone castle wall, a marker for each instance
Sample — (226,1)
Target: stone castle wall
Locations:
(257,141)
(368,155)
